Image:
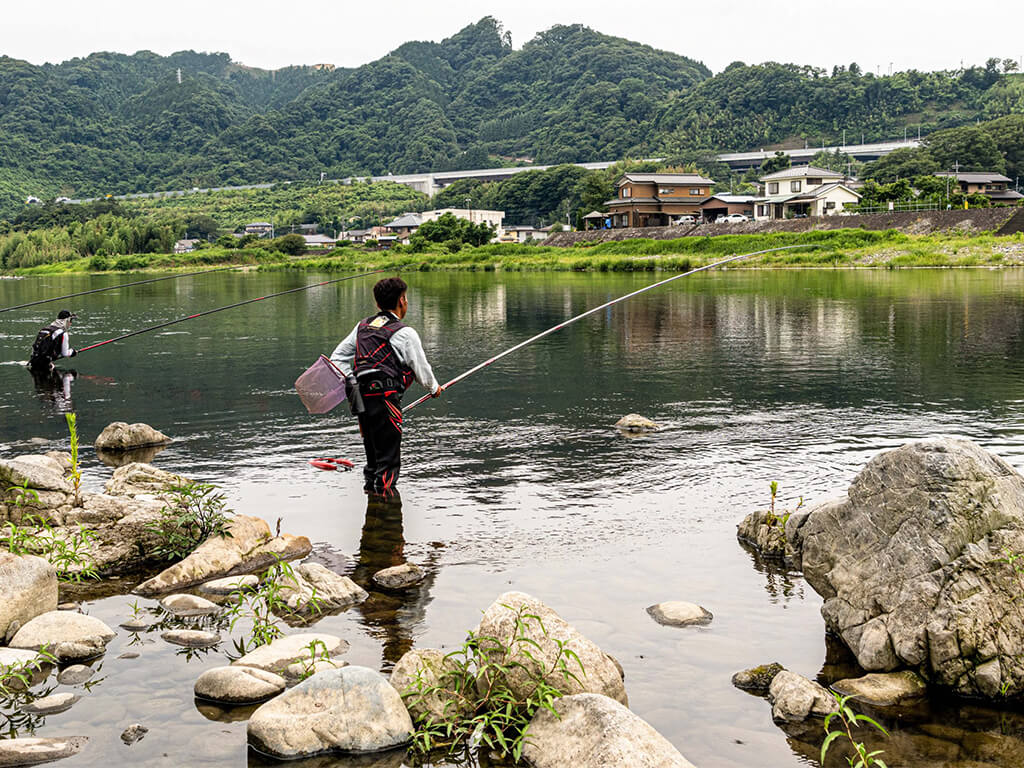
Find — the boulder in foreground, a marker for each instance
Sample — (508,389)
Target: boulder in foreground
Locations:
(592,731)
(916,566)
(33,751)
(67,635)
(28,588)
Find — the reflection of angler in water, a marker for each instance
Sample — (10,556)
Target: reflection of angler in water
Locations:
(395,614)
(53,386)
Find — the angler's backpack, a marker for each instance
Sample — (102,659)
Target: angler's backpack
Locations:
(47,344)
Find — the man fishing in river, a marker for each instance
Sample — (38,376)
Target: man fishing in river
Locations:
(52,343)
(380,358)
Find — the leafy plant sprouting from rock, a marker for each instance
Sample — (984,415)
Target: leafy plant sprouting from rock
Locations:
(68,550)
(481,708)
(849,720)
(75,471)
(195,513)
(264,605)
(779,520)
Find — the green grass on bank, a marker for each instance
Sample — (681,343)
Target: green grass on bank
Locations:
(834,248)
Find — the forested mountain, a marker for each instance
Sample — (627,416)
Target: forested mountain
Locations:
(112,123)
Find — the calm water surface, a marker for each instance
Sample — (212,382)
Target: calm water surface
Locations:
(515,479)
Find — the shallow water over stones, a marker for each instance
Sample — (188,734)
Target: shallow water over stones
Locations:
(516,479)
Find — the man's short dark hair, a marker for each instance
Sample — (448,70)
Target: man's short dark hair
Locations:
(388,291)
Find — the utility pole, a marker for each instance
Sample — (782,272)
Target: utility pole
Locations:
(179,75)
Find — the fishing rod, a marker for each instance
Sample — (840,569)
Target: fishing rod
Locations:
(230,306)
(607,304)
(112,287)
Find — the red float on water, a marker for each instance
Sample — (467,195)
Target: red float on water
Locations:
(331,463)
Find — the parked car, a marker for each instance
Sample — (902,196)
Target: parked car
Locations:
(686,218)
(732,218)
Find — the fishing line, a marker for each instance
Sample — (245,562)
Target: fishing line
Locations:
(607,304)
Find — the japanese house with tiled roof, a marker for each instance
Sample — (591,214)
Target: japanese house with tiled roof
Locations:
(655,199)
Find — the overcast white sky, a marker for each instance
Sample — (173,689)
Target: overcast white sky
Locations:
(875,33)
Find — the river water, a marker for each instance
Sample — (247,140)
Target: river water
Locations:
(515,479)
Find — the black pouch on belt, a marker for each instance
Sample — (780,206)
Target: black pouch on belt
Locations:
(355,397)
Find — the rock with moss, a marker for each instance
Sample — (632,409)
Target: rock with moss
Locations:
(757,679)
(920,566)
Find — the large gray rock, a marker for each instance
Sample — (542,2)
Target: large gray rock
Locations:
(331,590)
(67,635)
(285,651)
(249,548)
(351,710)
(39,472)
(537,656)
(592,731)
(238,685)
(419,678)
(139,479)
(28,750)
(119,436)
(28,588)
(794,698)
(883,689)
(916,569)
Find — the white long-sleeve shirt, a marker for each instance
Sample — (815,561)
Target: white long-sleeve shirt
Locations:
(408,349)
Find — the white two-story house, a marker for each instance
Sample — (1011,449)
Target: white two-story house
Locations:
(802,191)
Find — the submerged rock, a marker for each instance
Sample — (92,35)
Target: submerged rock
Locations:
(28,588)
(634,422)
(351,710)
(794,698)
(134,733)
(120,436)
(419,679)
(538,653)
(27,750)
(592,731)
(76,674)
(249,548)
(51,705)
(399,576)
(915,566)
(678,613)
(238,685)
(68,636)
(757,679)
(278,655)
(883,690)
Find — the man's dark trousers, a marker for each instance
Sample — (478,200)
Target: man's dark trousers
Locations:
(381,428)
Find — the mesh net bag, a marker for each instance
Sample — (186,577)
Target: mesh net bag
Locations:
(321,387)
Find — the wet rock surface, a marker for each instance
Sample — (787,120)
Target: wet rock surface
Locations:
(678,613)
(67,635)
(593,731)
(499,621)
(188,605)
(120,436)
(913,566)
(352,710)
(883,689)
(238,685)
(27,750)
(191,638)
(399,576)
(28,588)
(249,548)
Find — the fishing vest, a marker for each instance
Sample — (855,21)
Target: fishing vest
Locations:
(374,350)
(46,347)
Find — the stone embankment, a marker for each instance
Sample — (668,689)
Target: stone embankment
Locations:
(1002,221)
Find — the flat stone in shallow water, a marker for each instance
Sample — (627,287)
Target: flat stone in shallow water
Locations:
(399,576)
(75,675)
(133,733)
(238,685)
(51,705)
(134,624)
(678,613)
(33,751)
(67,635)
(188,605)
(883,690)
(278,655)
(592,731)
(191,638)
(352,710)
(230,584)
